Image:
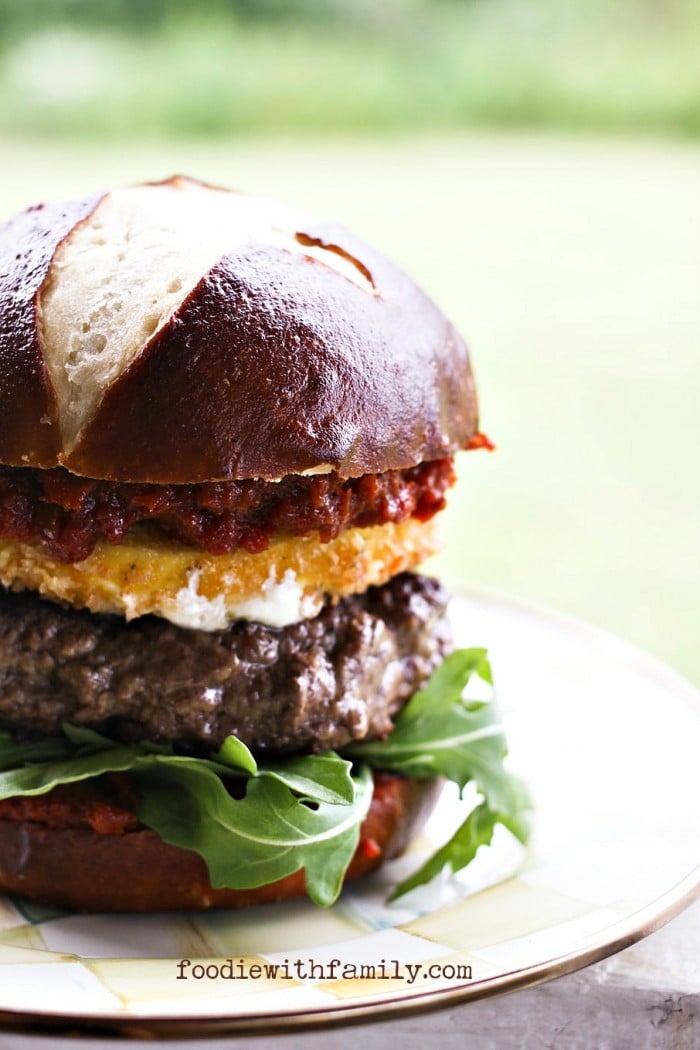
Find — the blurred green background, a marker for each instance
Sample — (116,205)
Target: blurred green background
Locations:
(173,67)
(533,164)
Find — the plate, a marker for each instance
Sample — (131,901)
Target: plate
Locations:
(606,738)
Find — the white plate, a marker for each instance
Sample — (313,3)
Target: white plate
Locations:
(608,741)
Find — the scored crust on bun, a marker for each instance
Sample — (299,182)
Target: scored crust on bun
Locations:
(175,301)
(226,431)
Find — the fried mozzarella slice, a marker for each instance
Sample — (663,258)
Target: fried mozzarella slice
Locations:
(288,582)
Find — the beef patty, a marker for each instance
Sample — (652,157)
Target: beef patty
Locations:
(313,686)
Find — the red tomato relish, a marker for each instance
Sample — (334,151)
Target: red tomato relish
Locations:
(68,514)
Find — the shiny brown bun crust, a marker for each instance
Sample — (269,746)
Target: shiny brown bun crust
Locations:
(29,432)
(274,364)
(77,868)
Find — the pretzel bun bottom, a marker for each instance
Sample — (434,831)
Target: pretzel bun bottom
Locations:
(79,869)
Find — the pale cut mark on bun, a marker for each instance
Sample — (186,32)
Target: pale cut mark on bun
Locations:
(123,272)
(288,582)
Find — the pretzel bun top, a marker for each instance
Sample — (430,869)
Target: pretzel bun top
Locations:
(176,332)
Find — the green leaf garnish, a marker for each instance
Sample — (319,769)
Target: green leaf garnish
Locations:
(268,834)
(317,778)
(477,830)
(235,754)
(442,732)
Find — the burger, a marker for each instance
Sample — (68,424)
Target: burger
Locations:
(226,431)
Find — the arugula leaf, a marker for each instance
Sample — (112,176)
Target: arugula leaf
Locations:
(234,753)
(448,681)
(477,830)
(262,837)
(442,732)
(439,732)
(13,755)
(86,739)
(38,777)
(37,767)
(318,778)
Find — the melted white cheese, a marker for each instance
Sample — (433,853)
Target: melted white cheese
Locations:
(279,605)
(191,609)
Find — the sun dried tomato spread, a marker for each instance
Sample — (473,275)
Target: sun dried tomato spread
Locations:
(68,514)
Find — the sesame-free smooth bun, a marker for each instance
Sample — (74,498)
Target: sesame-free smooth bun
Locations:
(176,332)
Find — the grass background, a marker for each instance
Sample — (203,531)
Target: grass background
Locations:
(571,265)
(165,68)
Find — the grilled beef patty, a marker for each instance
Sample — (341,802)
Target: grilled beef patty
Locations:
(312,686)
